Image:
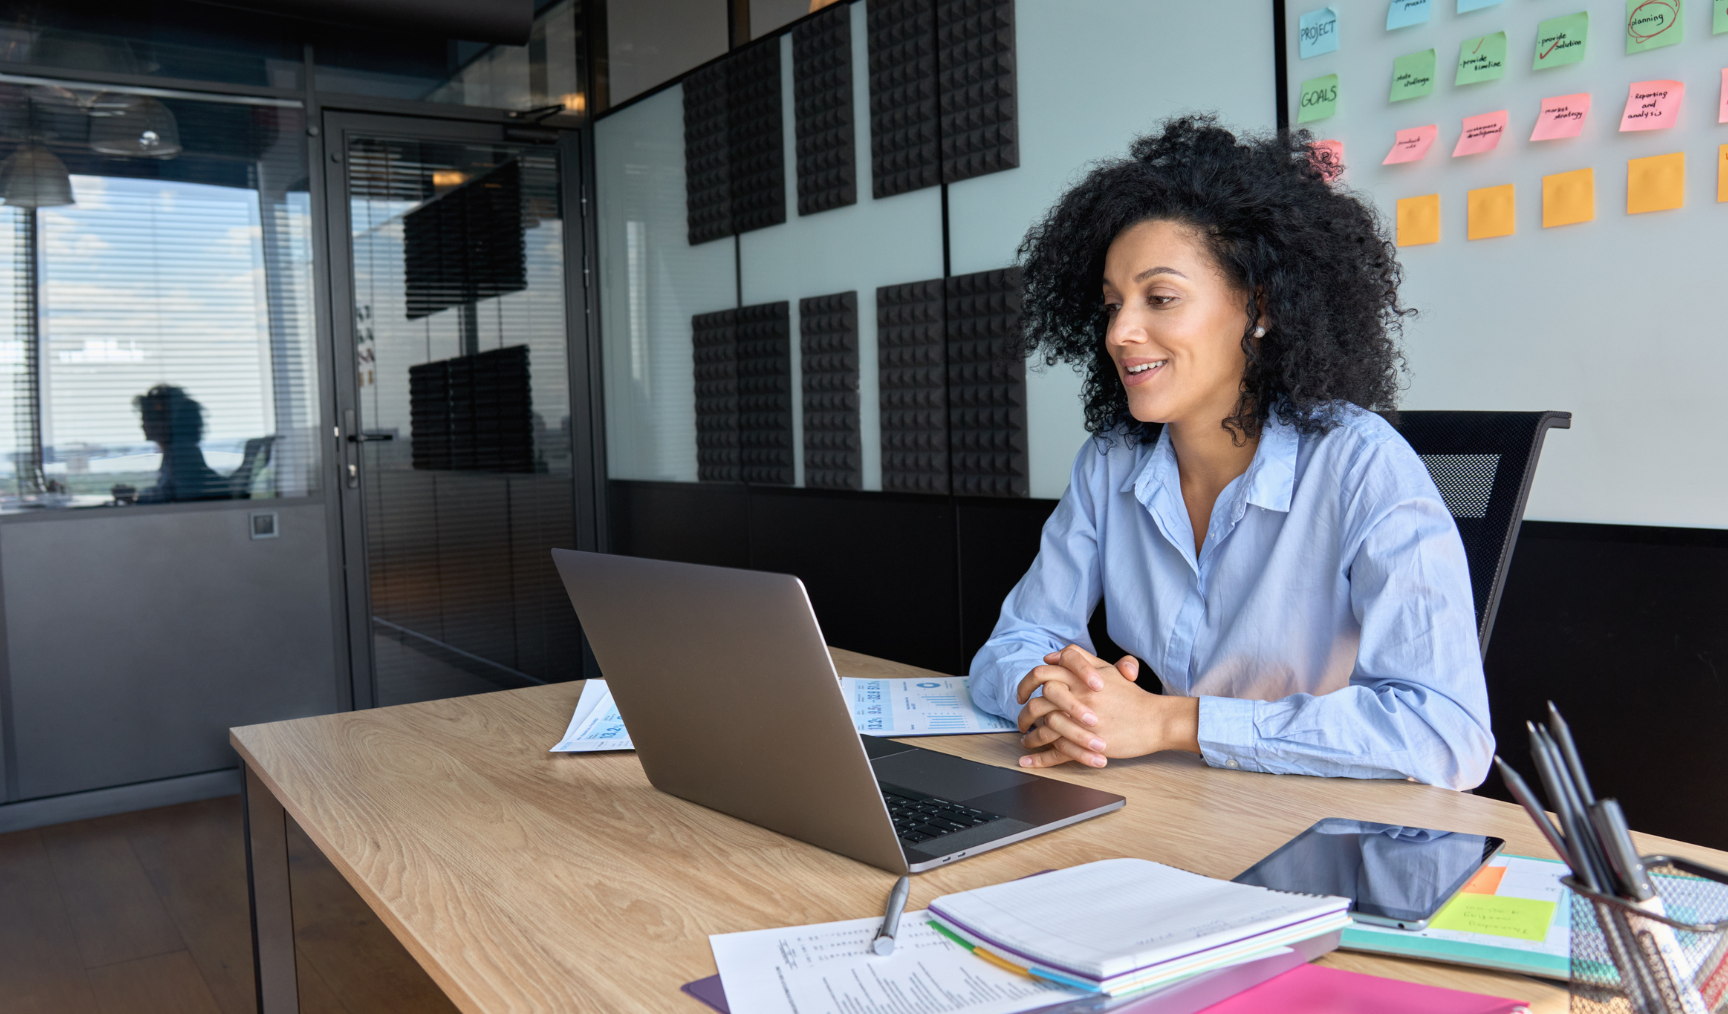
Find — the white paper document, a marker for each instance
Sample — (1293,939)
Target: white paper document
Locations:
(828,969)
(937,706)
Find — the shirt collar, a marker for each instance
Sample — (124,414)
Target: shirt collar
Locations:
(1271,477)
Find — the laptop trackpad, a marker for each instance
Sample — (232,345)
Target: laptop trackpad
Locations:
(944,775)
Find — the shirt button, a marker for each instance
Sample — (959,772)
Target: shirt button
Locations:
(1231,763)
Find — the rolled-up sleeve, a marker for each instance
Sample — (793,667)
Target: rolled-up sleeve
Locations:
(1050,606)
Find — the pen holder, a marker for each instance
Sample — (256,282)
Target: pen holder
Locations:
(1664,956)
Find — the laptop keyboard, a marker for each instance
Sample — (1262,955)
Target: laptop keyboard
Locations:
(919,820)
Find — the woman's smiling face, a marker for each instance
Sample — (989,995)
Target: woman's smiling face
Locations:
(1175,325)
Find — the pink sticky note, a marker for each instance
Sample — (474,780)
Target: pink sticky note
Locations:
(1652,105)
(1412,144)
(1561,116)
(1328,157)
(1481,133)
(1722,111)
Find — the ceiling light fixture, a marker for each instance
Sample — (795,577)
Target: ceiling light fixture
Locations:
(133,125)
(33,178)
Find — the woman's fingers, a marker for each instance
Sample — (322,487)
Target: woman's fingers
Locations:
(1063,725)
(1040,676)
(1061,752)
(1084,664)
(1129,667)
(1035,709)
(1062,696)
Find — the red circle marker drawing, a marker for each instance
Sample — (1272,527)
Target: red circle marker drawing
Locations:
(1666,15)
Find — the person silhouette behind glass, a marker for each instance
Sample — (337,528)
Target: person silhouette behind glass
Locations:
(175,423)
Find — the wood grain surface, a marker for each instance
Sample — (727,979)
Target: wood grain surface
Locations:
(528,881)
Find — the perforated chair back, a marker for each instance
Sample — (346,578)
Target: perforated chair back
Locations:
(1483,463)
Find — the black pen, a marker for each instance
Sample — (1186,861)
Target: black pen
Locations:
(1569,750)
(1551,783)
(1521,792)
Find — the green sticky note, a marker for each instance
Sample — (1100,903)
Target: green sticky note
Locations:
(1319,98)
(1560,41)
(1497,916)
(1481,59)
(1413,75)
(1719,23)
(1652,24)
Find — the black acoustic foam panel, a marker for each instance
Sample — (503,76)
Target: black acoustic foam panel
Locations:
(828,347)
(911,374)
(465,245)
(707,160)
(976,87)
(904,155)
(822,101)
(765,393)
(473,413)
(715,340)
(986,385)
(734,147)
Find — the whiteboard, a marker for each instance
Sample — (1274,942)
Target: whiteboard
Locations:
(1619,320)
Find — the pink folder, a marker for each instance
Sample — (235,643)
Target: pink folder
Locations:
(1314,989)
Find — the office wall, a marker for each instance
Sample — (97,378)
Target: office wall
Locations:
(650,42)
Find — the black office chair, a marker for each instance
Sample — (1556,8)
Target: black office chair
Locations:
(1483,463)
(252,462)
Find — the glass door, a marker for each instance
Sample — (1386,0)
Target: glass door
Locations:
(459,424)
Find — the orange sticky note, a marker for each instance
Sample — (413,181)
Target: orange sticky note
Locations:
(1486,881)
(1419,220)
(1722,174)
(1568,198)
(1491,215)
(1657,183)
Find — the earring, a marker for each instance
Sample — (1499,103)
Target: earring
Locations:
(1259,332)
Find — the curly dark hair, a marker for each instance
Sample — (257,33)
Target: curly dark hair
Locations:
(1312,258)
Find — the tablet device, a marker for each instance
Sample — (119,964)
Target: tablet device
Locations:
(1393,875)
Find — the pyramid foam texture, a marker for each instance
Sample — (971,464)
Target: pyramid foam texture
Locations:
(828,347)
(822,108)
(986,385)
(904,153)
(765,393)
(734,144)
(976,87)
(911,374)
(714,337)
(707,159)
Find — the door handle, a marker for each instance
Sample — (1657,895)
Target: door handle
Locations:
(369,436)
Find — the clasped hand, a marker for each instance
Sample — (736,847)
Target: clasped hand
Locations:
(1092,710)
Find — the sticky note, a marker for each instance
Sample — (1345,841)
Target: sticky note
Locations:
(1487,879)
(1411,144)
(1560,41)
(1419,220)
(1413,75)
(1491,215)
(1497,915)
(1722,174)
(1328,157)
(1481,59)
(1722,103)
(1319,98)
(1317,32)
(1657,183)
(1719,17)
(1466,6)
(1568,198)
(1404,13)
(1561,116)
(1481,133)
(1652,24)
(1652,105)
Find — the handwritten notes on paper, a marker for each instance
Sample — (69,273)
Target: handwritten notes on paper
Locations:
(1568,198)
(1657,183)
(1481,133)
(1496,915)
(1652,24)
(1404,13)
(1411,144)
(1319,98)
(1413,75)
(1419,220)
(1560,41)
(1491,215)
(1481,59)
(1317,33)
(1561,116)
(1652,105)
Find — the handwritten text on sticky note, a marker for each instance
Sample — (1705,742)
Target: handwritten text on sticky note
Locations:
(1560,41)
(1404,13)
(1328,157)
(1318,98)
(1561,116)
(1317,32)
(1413,75)
(1481,133)
(1652,24)
(1411,144)
(1497,915)
(1652,105)
(1481,59)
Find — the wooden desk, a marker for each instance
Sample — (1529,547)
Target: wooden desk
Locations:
(529,881)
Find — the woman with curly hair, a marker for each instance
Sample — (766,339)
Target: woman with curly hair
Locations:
(1271,547)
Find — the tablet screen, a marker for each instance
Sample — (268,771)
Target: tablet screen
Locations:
(1391,873)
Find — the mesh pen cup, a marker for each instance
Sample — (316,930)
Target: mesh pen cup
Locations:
(1668,955)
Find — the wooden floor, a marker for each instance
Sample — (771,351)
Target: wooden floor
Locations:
(146,912)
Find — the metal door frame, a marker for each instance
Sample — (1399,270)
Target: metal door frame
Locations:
(582,353)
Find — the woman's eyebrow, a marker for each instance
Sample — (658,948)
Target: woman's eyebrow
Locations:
(1149,272)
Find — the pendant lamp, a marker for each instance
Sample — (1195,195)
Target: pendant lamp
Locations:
(34,178)
(133,125)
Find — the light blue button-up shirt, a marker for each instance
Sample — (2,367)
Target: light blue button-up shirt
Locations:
(1327,624)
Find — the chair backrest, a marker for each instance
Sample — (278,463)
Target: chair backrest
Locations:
(256,456)
(1483,463)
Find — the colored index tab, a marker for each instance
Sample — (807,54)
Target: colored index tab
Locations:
(1317,32)
(1481,133)
(1411,144)
(1481,59)
(1319,98)
(1466,6)
(1413,75)
(1652,105)
(1561,116)
(1560,41)
(1568,198)
(1497,915)
(1657,183)
(1652,24)
(1491,214)
(1404,13)
(1419,220)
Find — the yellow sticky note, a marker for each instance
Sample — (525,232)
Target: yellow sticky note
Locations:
(1497,915)
(1657,183)
(1568,198)
(1491,215)
(1419,220)
(1722,173)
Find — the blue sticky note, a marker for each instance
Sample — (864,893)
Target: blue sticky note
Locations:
(1466,6)
(1404,13)
(1317,32)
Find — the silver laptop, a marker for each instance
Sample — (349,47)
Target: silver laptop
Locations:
(732,701)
